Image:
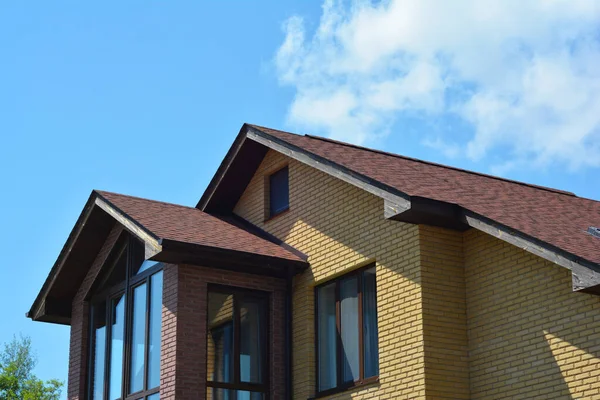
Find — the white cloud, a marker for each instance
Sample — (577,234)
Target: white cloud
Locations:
(524,74)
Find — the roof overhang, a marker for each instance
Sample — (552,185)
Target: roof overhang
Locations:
(98,218)
(239,166)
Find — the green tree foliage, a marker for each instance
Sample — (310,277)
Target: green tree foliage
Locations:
(17,381)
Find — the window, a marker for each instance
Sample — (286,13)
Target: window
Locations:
(279,194)
(126,318)
(346,320)
(237,344)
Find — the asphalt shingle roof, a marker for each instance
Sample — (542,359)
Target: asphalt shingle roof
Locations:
(555,217)
(193,226)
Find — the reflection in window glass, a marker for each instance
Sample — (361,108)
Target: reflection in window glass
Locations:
(220,337)
(156,283)
(146,265)
(327,344)
(138,342)
(251,339)
(347,331)
(236,340)
(279,193)
(99,329)
(349,320)
(229,394)
(126,327)
(116,347)
(371,350)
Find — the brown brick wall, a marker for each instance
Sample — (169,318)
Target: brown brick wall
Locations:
(168,349)
(186,329)
(78,347)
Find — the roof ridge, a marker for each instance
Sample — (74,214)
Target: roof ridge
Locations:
(145,199)
(387,153)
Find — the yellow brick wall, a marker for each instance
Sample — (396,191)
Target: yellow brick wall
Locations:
(341,228)
(461,315)
(444,313)
(530,336)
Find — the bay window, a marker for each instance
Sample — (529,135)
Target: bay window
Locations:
(126,318)
(346,329)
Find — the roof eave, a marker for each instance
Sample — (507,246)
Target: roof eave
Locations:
(402,207)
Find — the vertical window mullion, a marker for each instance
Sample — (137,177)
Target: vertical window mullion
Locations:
(91,354)
(128,322)
(147,333)
(107,348)
(236,339)
(338,324)
(361,346)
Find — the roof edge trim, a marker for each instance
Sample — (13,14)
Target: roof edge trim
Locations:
(152,241)
(223,167)
(585,274)
(398,198)
(62,256)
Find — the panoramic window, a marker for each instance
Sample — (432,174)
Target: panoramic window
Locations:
(279,193)
(126,317)
(237,351)
(346,321)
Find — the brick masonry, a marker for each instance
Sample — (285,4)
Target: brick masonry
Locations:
(342,228)
(461,315)
(530,336)
(184,369)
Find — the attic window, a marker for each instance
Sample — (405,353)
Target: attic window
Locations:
(594,231)
(279,193)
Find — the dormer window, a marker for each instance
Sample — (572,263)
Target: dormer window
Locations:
(279,192)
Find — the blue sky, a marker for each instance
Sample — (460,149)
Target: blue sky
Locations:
(144,98)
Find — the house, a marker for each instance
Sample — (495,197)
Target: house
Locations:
(312,268)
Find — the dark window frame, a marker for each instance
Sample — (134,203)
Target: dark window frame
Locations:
(271,212)
(133,249)
(342,386)
(237,384)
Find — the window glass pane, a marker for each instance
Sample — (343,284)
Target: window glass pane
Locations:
(252,340)
(219,344)
(279,191)
(349,322)
(370,334)
(155,396)
(99,332)
(327,343)
(146,265)
(116,347)
(229,394)
(244,395)
(138,340)
(156,284)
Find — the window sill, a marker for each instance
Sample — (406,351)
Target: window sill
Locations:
(359,385)
(274,216)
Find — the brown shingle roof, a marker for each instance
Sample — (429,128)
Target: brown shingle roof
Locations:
(190,225)
(555,217)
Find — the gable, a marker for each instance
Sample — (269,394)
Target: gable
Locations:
(531,217)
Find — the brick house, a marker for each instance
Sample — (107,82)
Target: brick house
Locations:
(312,268)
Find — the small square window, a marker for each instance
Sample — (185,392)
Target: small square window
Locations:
(279,194)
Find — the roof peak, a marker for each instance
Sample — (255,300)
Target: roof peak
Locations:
(546,188)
